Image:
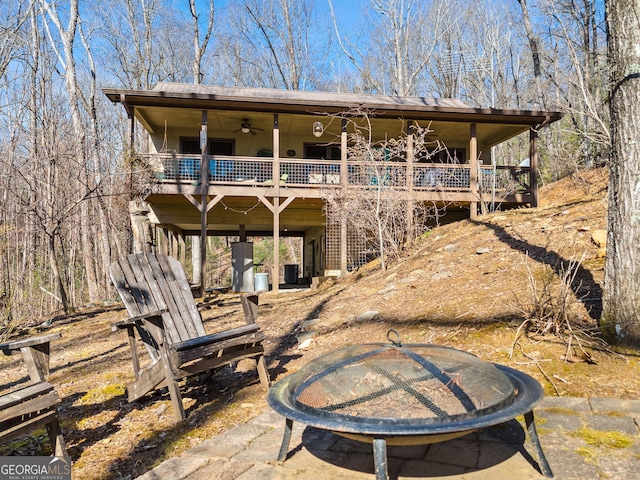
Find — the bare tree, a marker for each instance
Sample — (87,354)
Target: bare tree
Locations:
(277,44)
(14,16)
(379,211)
(579,75)
(535,53)
(404,32)
(200,44)
(621,297)
(133,56)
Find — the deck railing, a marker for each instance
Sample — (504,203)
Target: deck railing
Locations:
(308,173)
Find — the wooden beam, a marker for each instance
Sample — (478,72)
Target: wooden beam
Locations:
(473,164)
(276,205)
(410,159)
(294,215)
(214,201)
(275,275)
(533,164)
(204,186)
(344,180)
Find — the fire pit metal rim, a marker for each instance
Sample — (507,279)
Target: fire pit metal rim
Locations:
(528,394)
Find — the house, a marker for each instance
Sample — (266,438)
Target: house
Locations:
(270,157)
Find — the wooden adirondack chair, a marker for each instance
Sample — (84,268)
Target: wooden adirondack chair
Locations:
(158,298)
(36,403)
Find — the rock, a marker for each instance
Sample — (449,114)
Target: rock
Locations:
(599,237)
(160,410)
(303,337)
(366,316)
(308,324)
(306,344)
(452,247)
(441,276)
(482,250)
(410,279)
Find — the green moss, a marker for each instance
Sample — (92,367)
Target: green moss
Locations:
(561,411)
(589,455)
(35,443)
(600,438)
(99,395)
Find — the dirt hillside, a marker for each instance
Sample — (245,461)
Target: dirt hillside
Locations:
(468,285)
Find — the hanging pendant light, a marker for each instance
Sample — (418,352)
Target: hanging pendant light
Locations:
(318,129)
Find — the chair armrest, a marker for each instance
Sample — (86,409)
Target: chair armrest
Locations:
(137,320)
(35,352)
(249,303)
(9,348)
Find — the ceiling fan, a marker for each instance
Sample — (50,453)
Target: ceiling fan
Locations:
(245,127)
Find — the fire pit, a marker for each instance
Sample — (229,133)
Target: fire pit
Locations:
(394,394)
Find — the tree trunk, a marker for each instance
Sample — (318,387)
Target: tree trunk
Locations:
(535,52)
(621,297)
(88,253)
(58,281)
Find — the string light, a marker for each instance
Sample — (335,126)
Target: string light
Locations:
(226,207)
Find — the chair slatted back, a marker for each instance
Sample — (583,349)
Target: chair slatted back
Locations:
(148,282)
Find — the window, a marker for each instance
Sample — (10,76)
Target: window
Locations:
(321,151)
(446,155)
(191,146)
(451,155)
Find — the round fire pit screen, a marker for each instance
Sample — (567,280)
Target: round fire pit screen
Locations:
(404,394)
(417,384)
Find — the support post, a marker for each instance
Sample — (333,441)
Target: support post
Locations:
(533,165)
(380,459)
(182,246)
(410,201)
(533,435)
(286,440)
(130,147)
(204,189)
(140,226)
(344,181)
(473,174)
(276,203)
(196,251)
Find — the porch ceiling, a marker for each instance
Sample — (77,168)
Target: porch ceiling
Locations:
(177,213)
(171,105)
(224,123)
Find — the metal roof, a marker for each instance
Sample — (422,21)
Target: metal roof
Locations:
(183,95)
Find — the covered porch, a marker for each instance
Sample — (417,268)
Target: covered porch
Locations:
(269,158)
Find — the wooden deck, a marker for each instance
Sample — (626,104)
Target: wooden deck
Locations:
(310,178)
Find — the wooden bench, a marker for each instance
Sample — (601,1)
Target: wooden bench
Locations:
(35,404)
